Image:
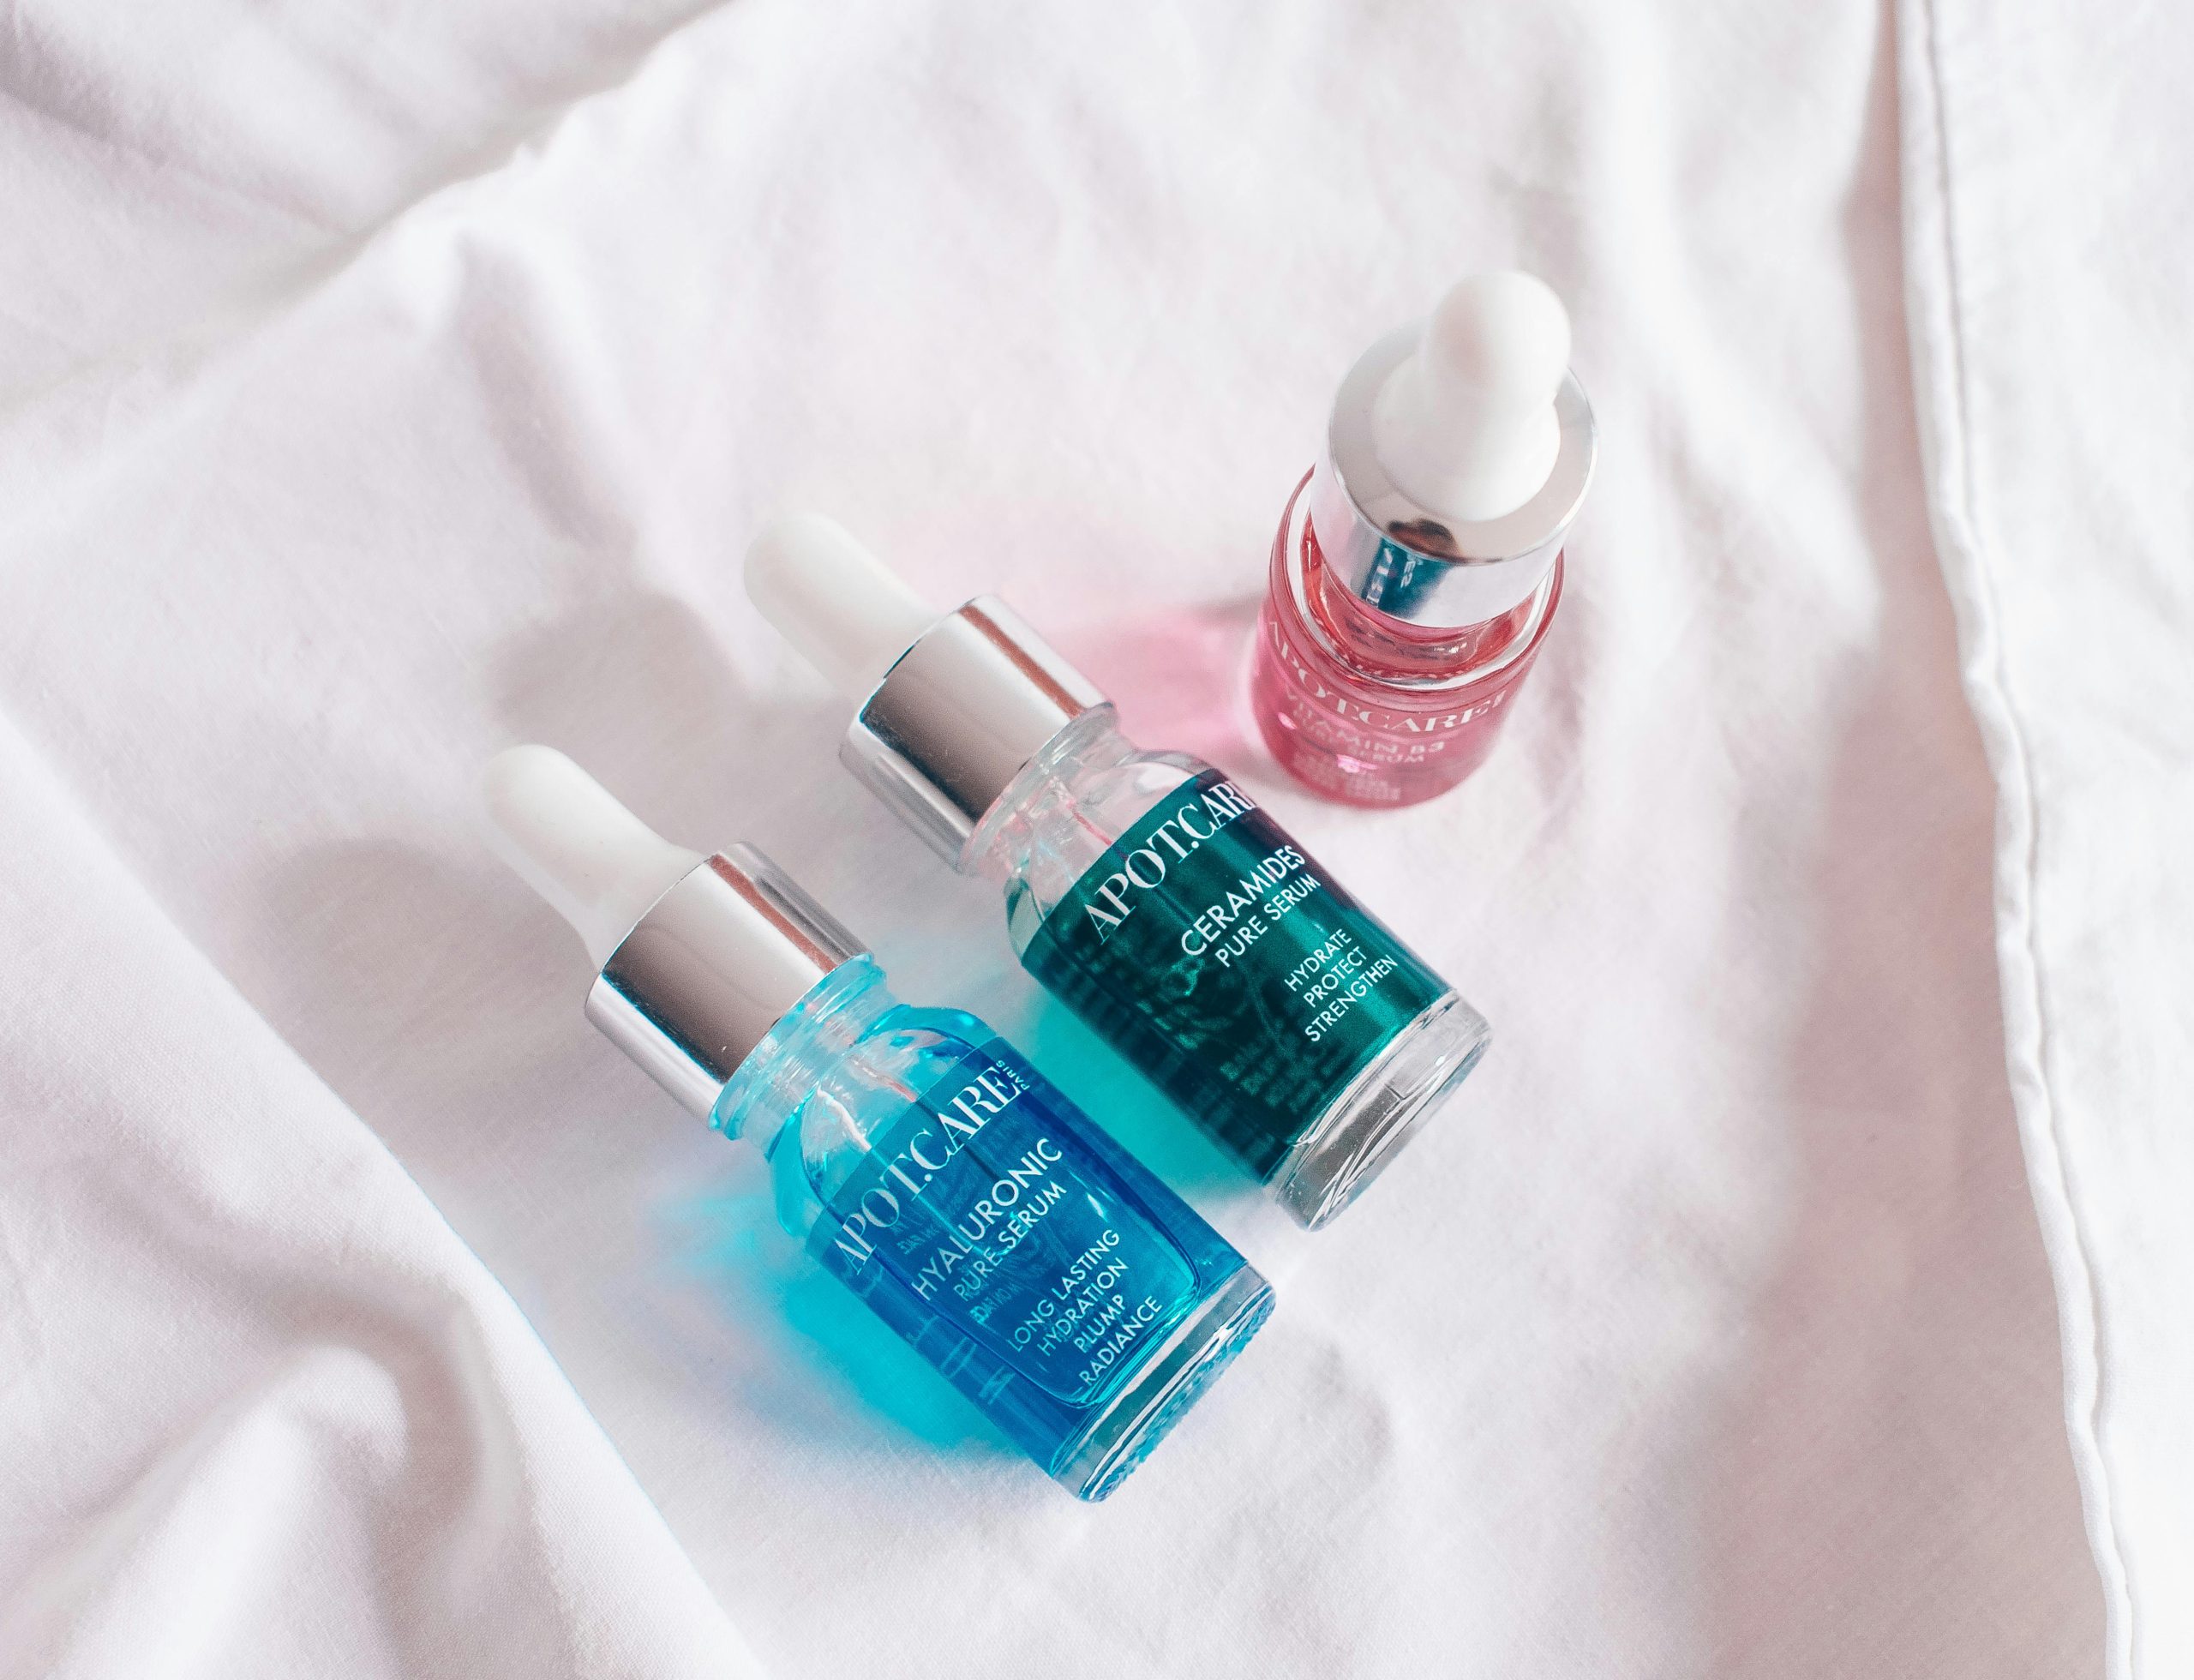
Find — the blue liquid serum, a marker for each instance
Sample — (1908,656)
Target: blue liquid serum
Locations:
(1043,1271)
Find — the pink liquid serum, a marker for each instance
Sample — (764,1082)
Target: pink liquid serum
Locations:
(1418,564)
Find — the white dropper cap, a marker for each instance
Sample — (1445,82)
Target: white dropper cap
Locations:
(849,614)
(1466,427)
(574,844)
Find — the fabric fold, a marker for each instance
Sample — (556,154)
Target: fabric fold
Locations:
(2047,259)
(267,1415)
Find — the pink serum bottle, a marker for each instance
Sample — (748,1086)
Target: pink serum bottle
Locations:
(1418,563)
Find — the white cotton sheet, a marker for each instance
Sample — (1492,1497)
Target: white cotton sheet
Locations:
(383,389)
(264,1414)
(2050,223)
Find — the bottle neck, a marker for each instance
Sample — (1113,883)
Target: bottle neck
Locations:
(789,1064)
(1405,574)
(704,977)
(1412,563)
(1064,814)
(1391,648)
(1046,788)
(958,718)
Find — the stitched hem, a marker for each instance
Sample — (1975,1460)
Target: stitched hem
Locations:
(1933,309)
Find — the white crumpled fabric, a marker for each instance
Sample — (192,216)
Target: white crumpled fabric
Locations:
(380,388)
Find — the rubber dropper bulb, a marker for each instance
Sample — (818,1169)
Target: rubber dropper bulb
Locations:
(574,844)
(848,613)
(1466,426)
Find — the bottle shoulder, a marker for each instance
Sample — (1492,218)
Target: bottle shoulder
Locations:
(1113,798)
(833,1079)
(1066,813)
(859,1097)
(929,1025)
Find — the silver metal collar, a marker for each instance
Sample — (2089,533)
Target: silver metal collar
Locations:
(1407,561)
(722,957)
(951,725)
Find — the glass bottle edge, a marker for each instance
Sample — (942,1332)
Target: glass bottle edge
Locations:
(1330,1167)
(1170,1381)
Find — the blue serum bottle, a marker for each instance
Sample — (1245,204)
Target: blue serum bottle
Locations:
(1042,1270)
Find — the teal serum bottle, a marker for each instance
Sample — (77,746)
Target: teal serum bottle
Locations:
(1043,1271)
(1147,891)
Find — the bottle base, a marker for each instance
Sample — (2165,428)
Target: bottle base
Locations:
(1171,1380)
(1334,1163)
